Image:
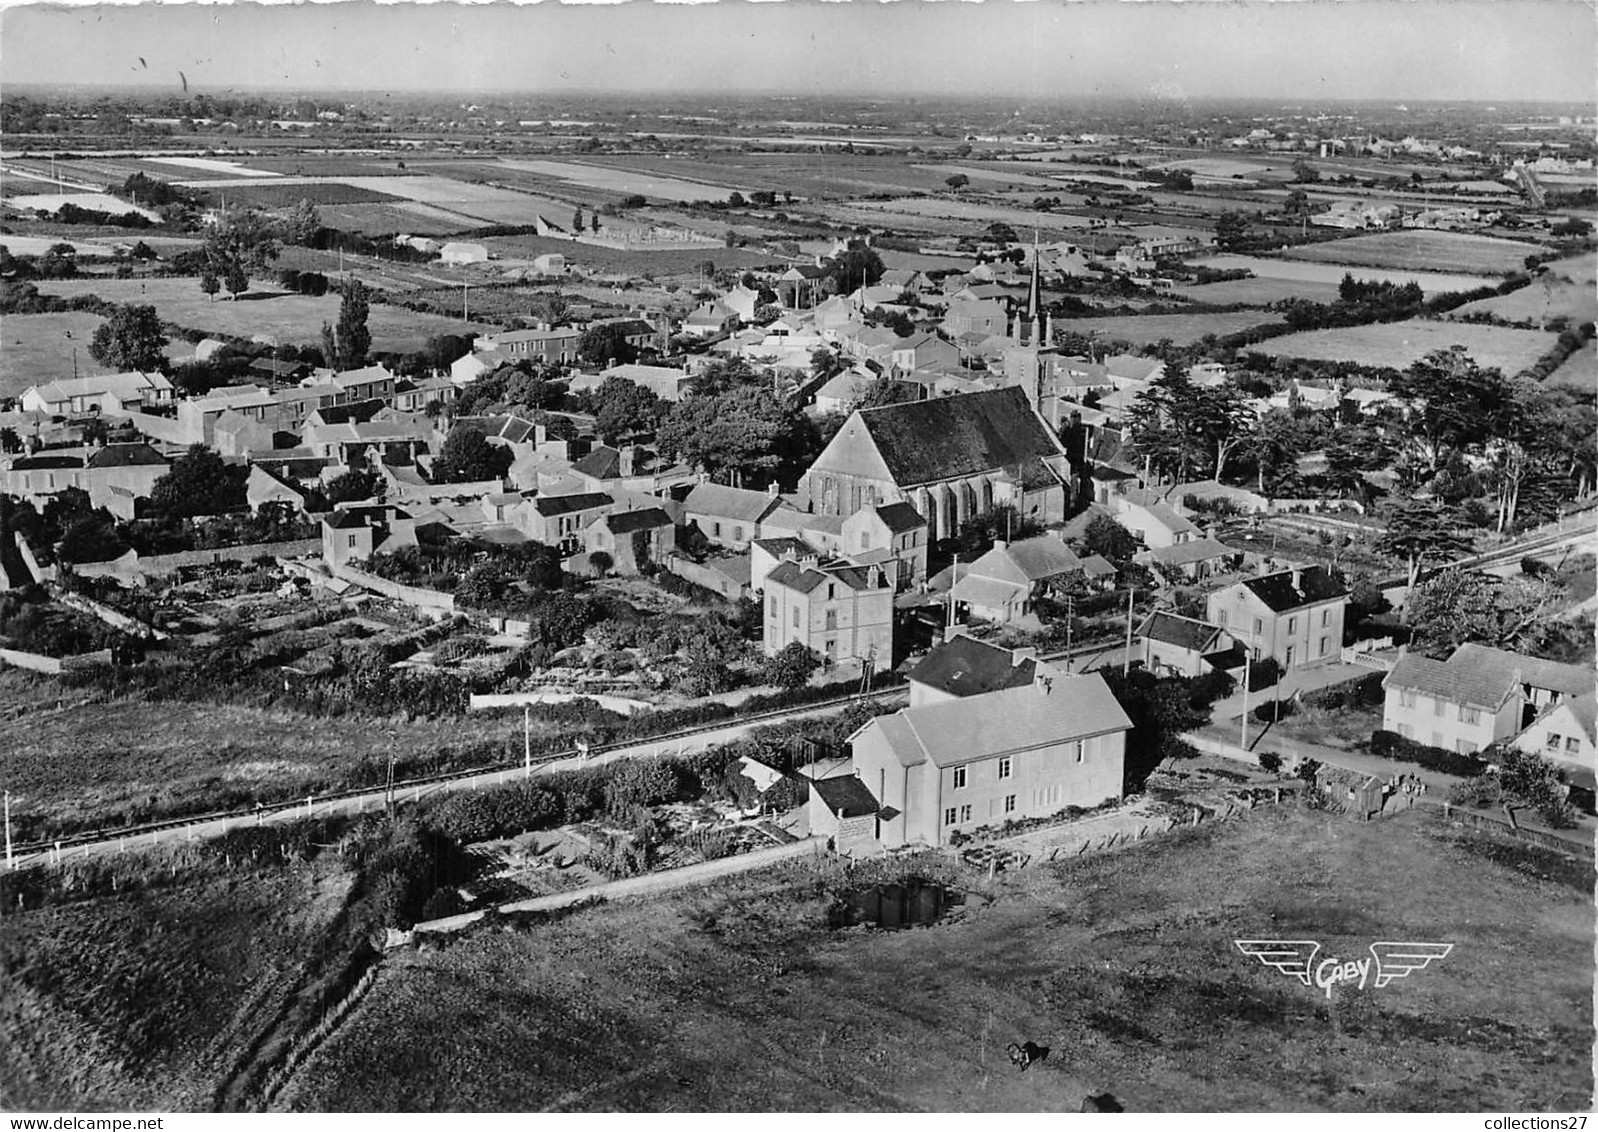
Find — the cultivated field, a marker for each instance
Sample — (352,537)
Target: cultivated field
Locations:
(1433,283)
(35,348)
(1150,328)
(623,181)
(1259,292)
(1422,250)
(739,996)
(1580,370)
(97,202)
(1397,344)
(262,310)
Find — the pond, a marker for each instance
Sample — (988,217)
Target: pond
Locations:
(912,904)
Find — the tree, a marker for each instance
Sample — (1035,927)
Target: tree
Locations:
(236,245)
(1454,405)
(606,344)
(301,223)
(622,407)
(1222,418)
(351,338)
(469,457)
(131,338)
(1270,762)
(736,435)
(1231,229)
(957,182)
(854,267)
(601,562)
(550,306)
(577,221)
(1297,207)
(1304,173)
(92,538)
(1418,532)
(199,482)
(1108,539)
(791,666)
(210,284)
(735,199)
(353,486)
(1455,606)
(9,440)
(593,223)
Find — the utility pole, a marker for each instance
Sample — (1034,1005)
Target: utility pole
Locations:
(1126,659)
(464,317)
(8,830)
(388,792)
(1248,656)
(527,741)
(1070,612)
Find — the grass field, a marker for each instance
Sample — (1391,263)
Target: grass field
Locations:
(35,348)
(1566,290)
(1422,250)
(1150,328)
(391,219)
(1259,292)
(1580,370)
(1397,344)
(1431,282)
(262,310)
(738,996)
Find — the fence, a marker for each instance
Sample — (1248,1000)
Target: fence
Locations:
(633,886)
(618,704)
(723,585)
(1483,819)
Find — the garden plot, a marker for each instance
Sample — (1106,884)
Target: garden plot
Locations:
(623,181)
(1399,344)
(97,202)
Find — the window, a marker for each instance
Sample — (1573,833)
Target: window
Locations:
(1553,741)
(1222,617)
(772,604)
(831,592)
(1437,707)
(864,539)
(1325,641)
(948,816)
(1407,730)
(1004,768)
(1009,803)
(1469,714)
(1326,618)
(715,530)
(1465,747)
(1079,746)
(959,777)
(965,813)
(796,617)
(1259,626)
(832,619)
(1572,745)
(1409,697)
(1437,739)
(1289,656)
(1292,624)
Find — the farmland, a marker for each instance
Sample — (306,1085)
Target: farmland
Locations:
(1431,282)
(1148,329)
(1422,250)
(1564,290)
(1260,292)
(1580,370)
(263,310)
(39,347)
(739,996)
(1398,344)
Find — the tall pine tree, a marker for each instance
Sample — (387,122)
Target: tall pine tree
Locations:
(350,338)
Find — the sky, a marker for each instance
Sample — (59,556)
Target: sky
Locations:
(1493,50)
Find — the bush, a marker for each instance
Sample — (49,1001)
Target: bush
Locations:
(1270,762)
(1391,745)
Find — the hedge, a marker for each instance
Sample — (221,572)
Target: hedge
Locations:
(1391,745)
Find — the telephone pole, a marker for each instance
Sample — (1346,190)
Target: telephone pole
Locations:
(527,741)
(8,830)
(1248,656)
(1126,659)
(1070,613)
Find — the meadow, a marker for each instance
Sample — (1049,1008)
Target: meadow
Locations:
(35,348)
(262,310)
(1564,290)
(1432,282)
(739,996)
(1151,328)
(1260,292)
(1422,250)
(1580,370)
(1398,344)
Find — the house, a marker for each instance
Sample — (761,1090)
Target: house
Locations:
(633,539)
(1174,645)
(458,252)
(111,475)
(415,396)
(959,765)
(1293,615)
(560,520)
(1151,520)
(553,345)
(109,393)
(840,392)
(970,316)
(765,553)
(950,458)
(1003,584)
(708,320)
(665,382)
(840,611)
(890,535)
(354,533)
(266,486)
(824,532)
(1464,707)
(469,367)
(1189,561)
(1542,682)
(843,810)
(920,351)
(964,666)
(235,434)
(1564,734)
(728,516)
(552,263)
(742,302)
(370,383)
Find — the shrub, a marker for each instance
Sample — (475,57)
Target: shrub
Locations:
(1391,745)
(1270,762)
(1308,770)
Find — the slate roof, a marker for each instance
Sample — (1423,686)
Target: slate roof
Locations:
(357,412)
(1567,679)
(900,517)
(1456,684)
(846,797)
(1186,553)
(626,522)
(37,463)
(1174,629)
(966,666)
(1043,557)
(1280,594)
(970,434)
(729,502)
(1097,566)
(551,505)
(126,456)
(603,463)
(780,545)
(1015,719)
(804,579)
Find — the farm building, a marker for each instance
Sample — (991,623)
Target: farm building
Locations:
(459,253)
(551,264)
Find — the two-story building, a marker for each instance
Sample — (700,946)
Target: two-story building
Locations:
(632,539)
(728,516)
(559,520)
(890,535)
(1182,646)
(962,764)
(552,345)
(1293,615)
(840,611)
(1004,584)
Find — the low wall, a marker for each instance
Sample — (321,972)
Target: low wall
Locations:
(632,886)
(52,665)
(428,601)
(112,617)
(168,563)
(713,580)
(167,429)
(619,704)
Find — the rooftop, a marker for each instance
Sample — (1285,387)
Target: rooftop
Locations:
(966,666)
(969,434)
(1568,679)
(729,502)
(1174,629)
(1294,589)
(1477,686)
(846,797)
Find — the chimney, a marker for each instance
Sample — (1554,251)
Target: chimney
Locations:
(999,544)
(1298,577)
(771,489)
(627,457)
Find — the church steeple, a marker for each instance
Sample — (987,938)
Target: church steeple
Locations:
(1034,300)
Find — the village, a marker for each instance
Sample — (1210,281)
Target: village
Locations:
(535,580)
